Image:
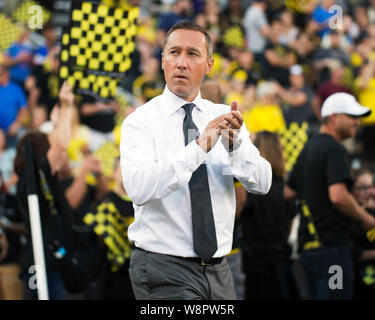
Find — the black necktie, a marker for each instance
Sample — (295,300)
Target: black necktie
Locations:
(204,233)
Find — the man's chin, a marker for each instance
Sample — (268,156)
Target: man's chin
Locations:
(180,92)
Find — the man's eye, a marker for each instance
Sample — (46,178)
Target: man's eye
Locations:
(193,54)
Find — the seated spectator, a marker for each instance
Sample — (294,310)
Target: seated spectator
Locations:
(13,106)
(18,58)
(266,114)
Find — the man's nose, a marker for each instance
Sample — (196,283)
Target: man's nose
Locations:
(181,61)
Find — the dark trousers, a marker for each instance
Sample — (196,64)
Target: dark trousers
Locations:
(269,278)
(156,276)
(322,274)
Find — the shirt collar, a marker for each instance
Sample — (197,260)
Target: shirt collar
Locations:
(173,102)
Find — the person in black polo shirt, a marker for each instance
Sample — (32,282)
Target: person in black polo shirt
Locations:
(321,180)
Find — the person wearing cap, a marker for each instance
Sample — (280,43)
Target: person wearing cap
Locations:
(321,180)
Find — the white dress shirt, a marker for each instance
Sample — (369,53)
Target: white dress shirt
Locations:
(157,166)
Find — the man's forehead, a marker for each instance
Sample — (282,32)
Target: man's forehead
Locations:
(183,37)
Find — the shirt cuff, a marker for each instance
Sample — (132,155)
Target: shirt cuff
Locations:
(187,161)
(191,157)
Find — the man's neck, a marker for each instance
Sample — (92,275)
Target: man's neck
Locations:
(327,130)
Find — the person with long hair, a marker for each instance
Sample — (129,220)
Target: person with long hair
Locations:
(266,222)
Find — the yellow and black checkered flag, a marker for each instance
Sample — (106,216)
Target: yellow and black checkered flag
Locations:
(109,223)
(96,49)
(23,12)
(293,139)
(9,32)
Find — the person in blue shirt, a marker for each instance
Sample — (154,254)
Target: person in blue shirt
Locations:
(13,104)
(322,14)
(18,58)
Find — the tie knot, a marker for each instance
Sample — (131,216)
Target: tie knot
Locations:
(188,108)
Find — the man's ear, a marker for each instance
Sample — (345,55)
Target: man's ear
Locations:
(210,64)
(162,61)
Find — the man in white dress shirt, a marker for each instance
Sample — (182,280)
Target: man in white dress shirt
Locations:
(161,173)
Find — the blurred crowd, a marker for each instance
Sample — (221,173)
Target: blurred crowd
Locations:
(279,60)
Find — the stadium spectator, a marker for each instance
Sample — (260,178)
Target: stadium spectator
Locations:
(256,27)
(365,85)
(13,106)
(180,11)
(117,208)
(11,287)
(266,222)
(334,84)
(296,100)
(364,250)
(7,154)
(266,114)
(48,154)
(321,180)
(322,15)
(18,58)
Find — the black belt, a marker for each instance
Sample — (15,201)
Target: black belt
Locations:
(203,262)
(198,260)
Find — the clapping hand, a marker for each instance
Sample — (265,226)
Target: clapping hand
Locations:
(231,127)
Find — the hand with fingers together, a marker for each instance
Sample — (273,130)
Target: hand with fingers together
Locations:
(230,128)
